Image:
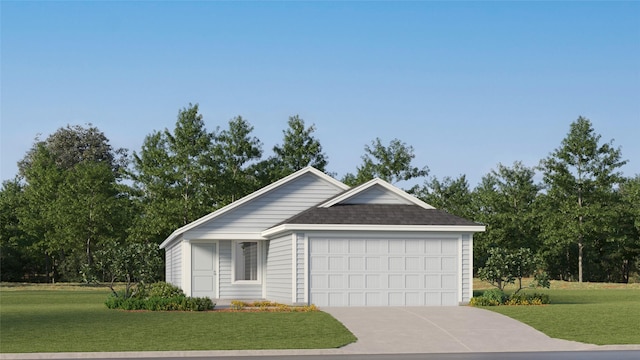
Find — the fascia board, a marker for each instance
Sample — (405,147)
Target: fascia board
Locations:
(382,228)
(377,181)
(252,196)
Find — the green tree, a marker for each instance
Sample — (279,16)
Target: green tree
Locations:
(133,263)
(505,200)
(174,177)
(506,266)
(71,197)
(450,195)
(391,163)
(298,150)
(619,254)
(238,153)
(17,259)
(579,178)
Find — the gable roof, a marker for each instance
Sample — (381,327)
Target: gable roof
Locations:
(250,197)
(353,192)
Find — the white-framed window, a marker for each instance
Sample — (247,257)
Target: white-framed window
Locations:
(246,258)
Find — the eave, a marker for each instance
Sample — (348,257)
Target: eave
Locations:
(287,228)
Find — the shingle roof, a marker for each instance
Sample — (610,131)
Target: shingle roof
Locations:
(377,214)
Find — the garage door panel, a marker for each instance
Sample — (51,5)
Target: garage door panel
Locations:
(356,263)
(372,263)
(396,263)
(449,281)
(433,281)
(319,263)
(383,272)
(449,247)
(433,263)
(412,263)
(396,281)
(449,264)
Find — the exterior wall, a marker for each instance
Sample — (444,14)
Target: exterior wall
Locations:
(228,288)
(377,195)
(279,277)
(173,270)
(467,268)
(301,269)
(268,210)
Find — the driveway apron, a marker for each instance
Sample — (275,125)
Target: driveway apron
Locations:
(442,330)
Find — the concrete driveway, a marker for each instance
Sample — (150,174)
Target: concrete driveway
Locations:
(442,330)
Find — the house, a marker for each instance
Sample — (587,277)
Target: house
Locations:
(310,239)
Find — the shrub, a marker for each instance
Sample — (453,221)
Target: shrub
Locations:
(496,296)
(480,301)
(159,296)
(160,289)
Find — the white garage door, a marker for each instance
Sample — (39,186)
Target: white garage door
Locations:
(383,272)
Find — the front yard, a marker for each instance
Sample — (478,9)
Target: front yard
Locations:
(46,318)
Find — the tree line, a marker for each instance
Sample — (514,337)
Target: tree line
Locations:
(75,196)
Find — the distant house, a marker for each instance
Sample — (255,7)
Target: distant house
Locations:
(310,239)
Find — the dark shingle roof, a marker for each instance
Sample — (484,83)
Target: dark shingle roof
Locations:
(377,214)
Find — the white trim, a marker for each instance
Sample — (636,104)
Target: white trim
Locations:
(460,255)
(259,274)
(356,190)
(357,227)
(470,266)
(248,198)
(294,268)
(186,268)
(306,269)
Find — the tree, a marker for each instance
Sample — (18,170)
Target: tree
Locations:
(237,152)
(17,258)
(506,266)
(71,197)
(620,253)
(579,179)
(298,150)
(174,177)
(505,201)
(133,263)
(450,195)
(390,163)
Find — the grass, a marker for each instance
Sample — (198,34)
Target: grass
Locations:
(594,313)
(75,319)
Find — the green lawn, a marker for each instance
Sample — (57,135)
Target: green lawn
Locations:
(76,320)
(591,313)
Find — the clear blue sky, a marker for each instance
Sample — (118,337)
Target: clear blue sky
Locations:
(467,84)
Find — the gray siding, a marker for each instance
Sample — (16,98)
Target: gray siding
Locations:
(270,208)
(229,290)
(466,268)
(300,273)
(377,195)
(279,269)
(173,269)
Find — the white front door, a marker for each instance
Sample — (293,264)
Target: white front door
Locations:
(203,270)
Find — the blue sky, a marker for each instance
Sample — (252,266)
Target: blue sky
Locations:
(467,84)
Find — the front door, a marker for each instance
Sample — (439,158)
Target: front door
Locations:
(203,270)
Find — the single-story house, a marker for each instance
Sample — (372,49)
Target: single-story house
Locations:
(310,239)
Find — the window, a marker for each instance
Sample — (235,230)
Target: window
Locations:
(246,261)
